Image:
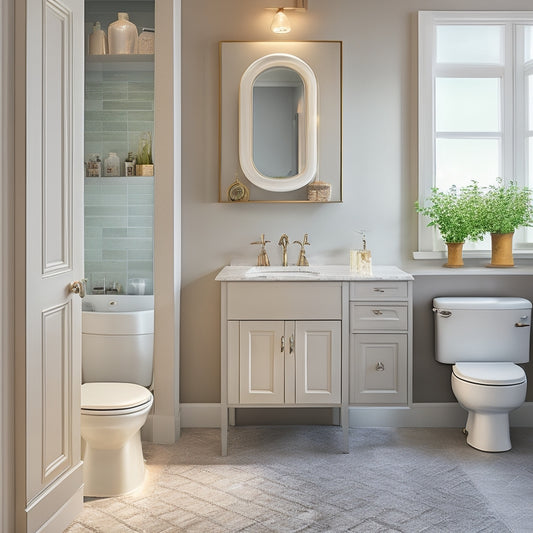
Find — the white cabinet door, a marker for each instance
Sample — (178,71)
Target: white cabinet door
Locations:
(262,379)
(318,362)
(378,368)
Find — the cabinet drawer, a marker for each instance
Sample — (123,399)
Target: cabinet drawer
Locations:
(378,317)
(271,300)
(378,290)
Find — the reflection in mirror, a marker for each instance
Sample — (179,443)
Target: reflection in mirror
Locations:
(278,119)
(278,148)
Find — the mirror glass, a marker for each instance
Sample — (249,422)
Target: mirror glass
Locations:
(278,119)
(278,151)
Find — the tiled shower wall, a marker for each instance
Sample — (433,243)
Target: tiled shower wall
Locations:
(119,107)
(119,230)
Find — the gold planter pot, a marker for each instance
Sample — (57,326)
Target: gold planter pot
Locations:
(144,170)
(502,250)
(455,255)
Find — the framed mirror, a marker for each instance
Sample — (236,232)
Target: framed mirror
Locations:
(278,123)
(280,120)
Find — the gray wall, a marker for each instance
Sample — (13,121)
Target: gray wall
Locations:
(379,166)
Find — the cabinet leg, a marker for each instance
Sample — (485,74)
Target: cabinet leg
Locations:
(345,422)
(224,431)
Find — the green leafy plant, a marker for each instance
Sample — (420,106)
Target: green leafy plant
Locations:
(506,207)
(144,153)
(455,212)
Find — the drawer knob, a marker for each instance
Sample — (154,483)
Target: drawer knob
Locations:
(377,289)
(377,312)
(380,367)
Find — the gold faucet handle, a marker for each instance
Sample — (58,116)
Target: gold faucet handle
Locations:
(262,241)
(304,242)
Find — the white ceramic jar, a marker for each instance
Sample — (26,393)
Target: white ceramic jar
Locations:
(97,41)
(122,36)
(147,41)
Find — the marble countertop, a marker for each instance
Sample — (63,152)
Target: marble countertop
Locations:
(311,273)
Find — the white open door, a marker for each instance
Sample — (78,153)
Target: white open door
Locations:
(49,257)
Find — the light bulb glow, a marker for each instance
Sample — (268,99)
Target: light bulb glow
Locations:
(280,22)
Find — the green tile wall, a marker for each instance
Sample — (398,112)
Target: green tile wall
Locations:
(119,230)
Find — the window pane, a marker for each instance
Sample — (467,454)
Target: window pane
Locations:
(467,104)
(528,42)
(530,162)
(530,102)
(459,161)
(469,44)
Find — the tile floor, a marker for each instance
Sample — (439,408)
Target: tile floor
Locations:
(293,478)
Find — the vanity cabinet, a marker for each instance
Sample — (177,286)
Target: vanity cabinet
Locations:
(283,345)
(284,362)
(380,317)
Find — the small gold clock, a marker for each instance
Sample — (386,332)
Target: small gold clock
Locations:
(238,192)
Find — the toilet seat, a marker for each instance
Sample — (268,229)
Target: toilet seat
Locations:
(114,398)
(499,374)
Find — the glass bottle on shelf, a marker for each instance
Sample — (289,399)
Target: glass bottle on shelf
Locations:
(112,165)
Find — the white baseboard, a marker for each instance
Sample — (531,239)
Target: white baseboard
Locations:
(207,415)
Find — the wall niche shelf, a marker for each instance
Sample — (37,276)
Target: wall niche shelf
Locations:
(127,62)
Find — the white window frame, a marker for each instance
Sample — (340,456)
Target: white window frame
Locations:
(514,104)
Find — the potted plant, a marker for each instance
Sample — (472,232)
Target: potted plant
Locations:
(505,207)
(455,214)
(144,166)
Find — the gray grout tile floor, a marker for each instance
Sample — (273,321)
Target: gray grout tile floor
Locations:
(293,478)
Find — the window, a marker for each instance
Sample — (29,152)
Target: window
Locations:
(475,105)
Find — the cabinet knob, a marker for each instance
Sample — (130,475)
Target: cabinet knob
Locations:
(377,289)
(377,312)
(291,344)
(283,343)
(380,367)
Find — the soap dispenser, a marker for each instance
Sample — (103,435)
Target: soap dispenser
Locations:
(361,260)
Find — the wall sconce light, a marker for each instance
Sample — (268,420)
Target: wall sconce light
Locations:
(280,22)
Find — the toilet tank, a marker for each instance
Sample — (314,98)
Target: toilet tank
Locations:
(482,329)
(118,345)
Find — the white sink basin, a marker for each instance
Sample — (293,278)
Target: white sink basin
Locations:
(279,272)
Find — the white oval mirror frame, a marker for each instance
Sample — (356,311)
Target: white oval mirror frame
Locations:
(310,161)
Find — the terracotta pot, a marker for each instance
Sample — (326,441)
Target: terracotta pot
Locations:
(455,255)
(502,250)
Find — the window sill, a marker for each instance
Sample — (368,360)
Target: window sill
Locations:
(471,254)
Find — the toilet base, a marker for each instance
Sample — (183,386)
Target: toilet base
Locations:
(488,432)
(113,472)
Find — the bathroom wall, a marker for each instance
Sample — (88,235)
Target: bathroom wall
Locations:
(379,169)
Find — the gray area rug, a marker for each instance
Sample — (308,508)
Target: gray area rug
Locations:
(288,479)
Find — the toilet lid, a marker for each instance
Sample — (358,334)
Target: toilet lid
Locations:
(112,396)
(490,373)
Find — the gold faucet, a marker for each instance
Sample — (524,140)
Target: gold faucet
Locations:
(302,260)
(284,242)
(262,258)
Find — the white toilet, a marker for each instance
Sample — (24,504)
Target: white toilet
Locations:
(117,361)
(483,338)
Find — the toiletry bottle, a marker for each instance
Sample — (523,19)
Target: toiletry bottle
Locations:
(122,36)
(129,165)
(97,41)
(112,165)
(94,166)
(147,41)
